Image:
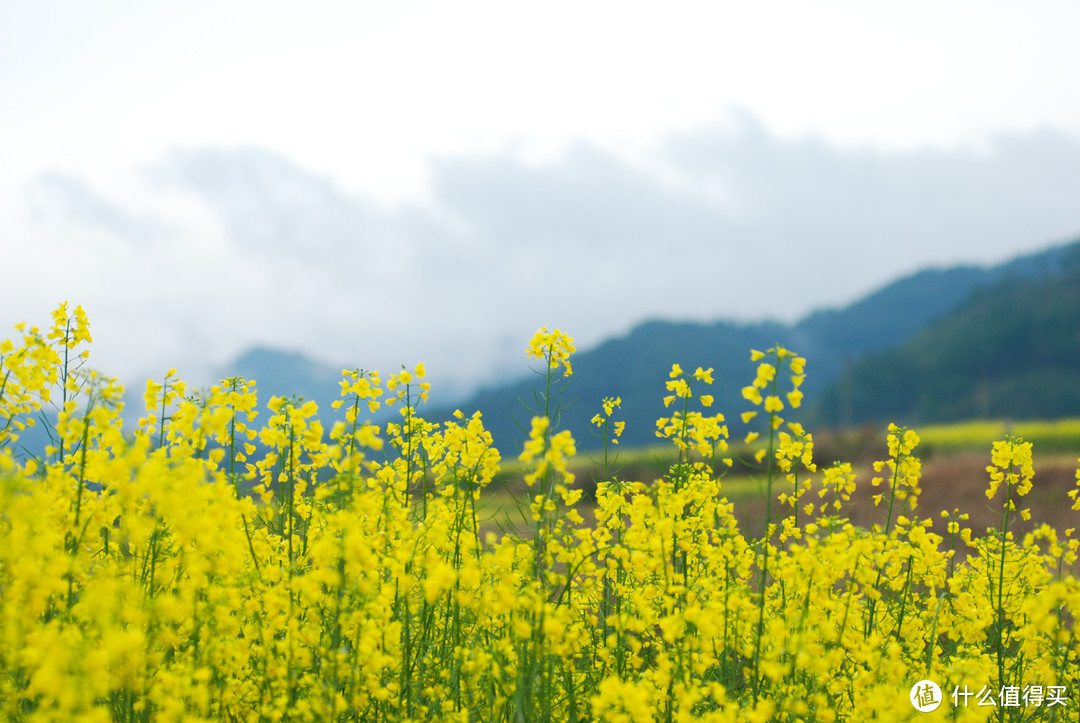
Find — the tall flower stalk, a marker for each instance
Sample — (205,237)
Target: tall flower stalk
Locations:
(765,392)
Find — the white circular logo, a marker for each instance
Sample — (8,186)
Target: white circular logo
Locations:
(925,696)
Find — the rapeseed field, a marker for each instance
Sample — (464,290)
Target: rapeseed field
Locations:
(212,565)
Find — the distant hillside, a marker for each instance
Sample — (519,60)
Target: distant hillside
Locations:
(1012,349)
(635,366)
(867,361)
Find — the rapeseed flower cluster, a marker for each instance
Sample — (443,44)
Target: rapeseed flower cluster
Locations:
(200,567)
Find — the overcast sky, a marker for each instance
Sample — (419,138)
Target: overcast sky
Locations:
(386,183)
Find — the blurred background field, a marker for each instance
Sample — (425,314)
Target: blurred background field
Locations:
(954,460)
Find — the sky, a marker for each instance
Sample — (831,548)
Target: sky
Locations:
(378,184)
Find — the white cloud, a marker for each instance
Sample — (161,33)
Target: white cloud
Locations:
(212,249)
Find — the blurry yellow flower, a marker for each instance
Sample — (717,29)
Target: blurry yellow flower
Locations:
(752,394)
(765,374)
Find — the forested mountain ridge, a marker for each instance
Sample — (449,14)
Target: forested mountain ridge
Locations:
(839,345)
(1011,349)
(937,345)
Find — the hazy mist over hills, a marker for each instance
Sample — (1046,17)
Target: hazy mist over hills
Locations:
(863,360)
(233,247)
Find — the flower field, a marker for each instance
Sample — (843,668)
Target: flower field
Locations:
(140,580)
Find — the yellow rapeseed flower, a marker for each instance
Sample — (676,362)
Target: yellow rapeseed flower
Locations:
(555,347)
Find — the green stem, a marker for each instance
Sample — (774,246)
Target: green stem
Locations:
(765,545)
(1003,538)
